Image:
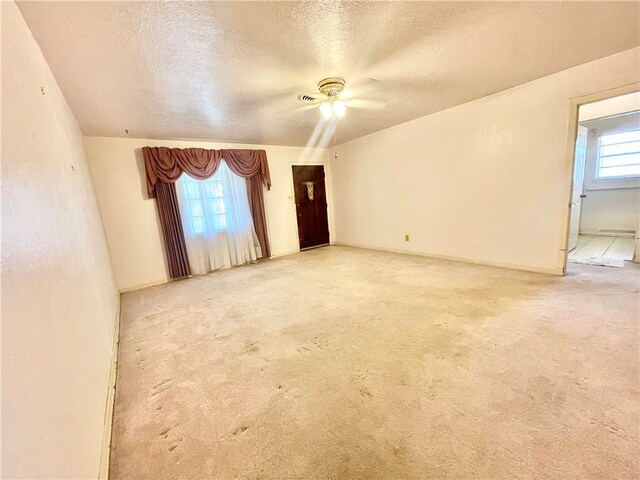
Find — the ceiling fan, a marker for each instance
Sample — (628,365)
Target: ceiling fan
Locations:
(329,97)
(332,100)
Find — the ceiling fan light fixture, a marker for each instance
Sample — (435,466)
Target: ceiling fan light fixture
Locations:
(339,108)
(331,86)
(325,109)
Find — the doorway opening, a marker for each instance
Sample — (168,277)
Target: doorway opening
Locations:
(604,223)
(311,206)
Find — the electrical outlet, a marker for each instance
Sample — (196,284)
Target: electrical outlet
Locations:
(406,237)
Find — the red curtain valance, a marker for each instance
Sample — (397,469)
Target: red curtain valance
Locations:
(164,166)
(167,164)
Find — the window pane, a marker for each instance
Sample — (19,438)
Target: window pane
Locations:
(619,155)
(196,209)
(222,222)
(626,170)
(634,135)
(619,160)
(618,148)
(211,188)
(197,225)
(191,189)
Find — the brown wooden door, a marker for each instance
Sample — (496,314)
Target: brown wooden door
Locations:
(313,225)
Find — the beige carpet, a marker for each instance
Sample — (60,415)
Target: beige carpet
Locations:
(346,363)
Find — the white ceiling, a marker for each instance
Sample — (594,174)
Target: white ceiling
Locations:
(230,71)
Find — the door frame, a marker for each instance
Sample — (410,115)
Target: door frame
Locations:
(327,187)
(574,105)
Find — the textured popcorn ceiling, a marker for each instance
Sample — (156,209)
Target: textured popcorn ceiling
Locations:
(230,71)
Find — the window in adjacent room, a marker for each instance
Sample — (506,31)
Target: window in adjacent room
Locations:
(619,155)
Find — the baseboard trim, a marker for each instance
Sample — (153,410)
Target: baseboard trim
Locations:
(291,252)
(133,288)
(509,266)
(284,254)
(103,474)
(314,247)
(608,232)
(142,286)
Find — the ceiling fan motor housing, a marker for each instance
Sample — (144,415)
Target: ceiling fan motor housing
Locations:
(331,86)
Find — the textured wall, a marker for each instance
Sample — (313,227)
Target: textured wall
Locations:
(486,181)
(59,299)
(130,218)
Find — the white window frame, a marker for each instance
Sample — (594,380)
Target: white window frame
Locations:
(597,177)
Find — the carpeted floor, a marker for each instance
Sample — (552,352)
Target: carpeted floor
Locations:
(345,363)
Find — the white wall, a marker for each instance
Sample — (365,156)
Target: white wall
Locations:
(130,218)
(615,209)
(59,298)
(610,203)
(487,181)
(610,106)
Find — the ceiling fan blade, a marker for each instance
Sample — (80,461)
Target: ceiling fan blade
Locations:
(358,87)
(367,104)
(291,93)
(283,105)
(298,109)
(312,98)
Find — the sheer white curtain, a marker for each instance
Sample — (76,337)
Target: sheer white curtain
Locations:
(217,221)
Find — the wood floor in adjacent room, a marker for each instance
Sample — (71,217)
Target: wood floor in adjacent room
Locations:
(346,363)
(603,250)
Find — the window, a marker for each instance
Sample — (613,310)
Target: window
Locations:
(216,219)
(619,155)
(203,199)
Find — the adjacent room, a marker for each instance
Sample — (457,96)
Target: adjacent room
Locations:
(605,202)
(321,239)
